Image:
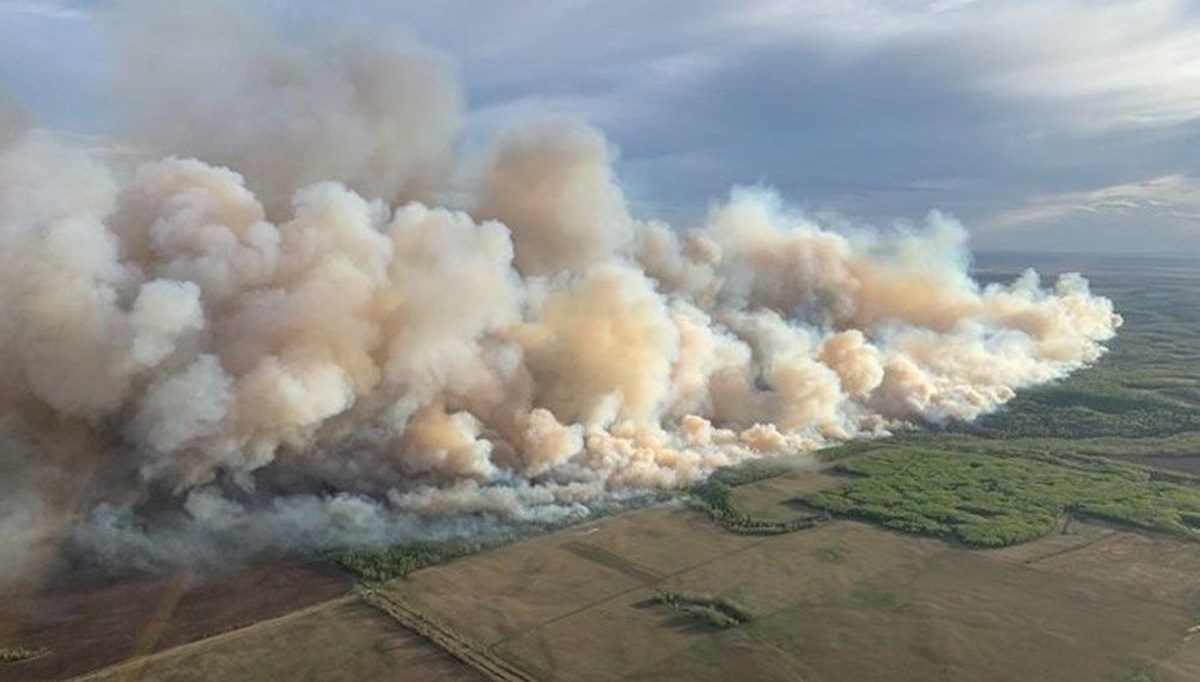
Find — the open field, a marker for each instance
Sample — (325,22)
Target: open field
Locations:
(836,602)
(342,640)
(276,621)
(85,626)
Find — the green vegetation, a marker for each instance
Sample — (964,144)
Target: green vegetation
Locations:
(1147,387)
(992,501)
(396,561)
(714,611)
(16,654)
(751,471)
(1101,406)
(849,449)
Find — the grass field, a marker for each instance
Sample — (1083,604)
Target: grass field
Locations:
(836,602)
(342,641)
(82,627)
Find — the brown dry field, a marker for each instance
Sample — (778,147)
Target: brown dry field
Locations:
(86,626)
(841,601)
(343,640)
(767,499)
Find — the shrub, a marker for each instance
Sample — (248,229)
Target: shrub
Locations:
(714,611)
(15,654)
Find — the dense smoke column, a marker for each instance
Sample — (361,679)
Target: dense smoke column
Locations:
(228,349)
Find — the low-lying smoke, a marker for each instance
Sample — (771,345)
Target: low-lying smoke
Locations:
(263,342)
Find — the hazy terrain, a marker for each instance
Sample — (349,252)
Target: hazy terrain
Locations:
(1053,540)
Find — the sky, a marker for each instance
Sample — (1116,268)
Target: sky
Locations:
(1048,125)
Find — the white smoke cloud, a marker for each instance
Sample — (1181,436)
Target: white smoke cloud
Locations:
(208,80)
(553,186)
(351,369)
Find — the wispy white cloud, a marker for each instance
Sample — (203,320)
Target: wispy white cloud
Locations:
(1175,197)
(48,9)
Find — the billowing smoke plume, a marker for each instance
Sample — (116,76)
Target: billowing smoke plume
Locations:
(263,342)
(205,79)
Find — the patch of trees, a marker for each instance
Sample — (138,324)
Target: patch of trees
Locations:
(377,564)
(1099,408)
(716,612)
(986,500)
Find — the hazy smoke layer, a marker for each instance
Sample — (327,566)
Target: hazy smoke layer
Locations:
(205,79)
(190,368)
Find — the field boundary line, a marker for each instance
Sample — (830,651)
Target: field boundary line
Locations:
(477,656)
